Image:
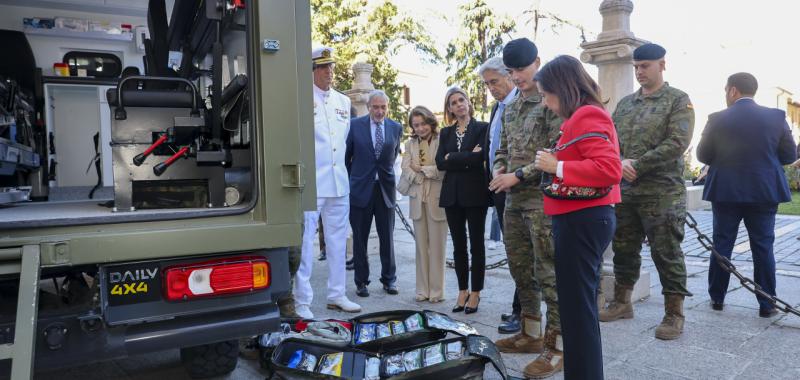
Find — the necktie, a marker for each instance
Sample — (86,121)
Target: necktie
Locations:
(378,140)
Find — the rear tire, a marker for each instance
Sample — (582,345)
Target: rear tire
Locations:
(210,360)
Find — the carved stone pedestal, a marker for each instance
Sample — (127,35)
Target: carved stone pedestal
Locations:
(612,54)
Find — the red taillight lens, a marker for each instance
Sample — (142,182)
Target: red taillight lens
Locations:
(211,278)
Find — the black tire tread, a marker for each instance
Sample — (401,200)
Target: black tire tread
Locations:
(210,360)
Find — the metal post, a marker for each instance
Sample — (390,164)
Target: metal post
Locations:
(24,347)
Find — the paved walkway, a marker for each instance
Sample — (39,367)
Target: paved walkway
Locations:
(732,344)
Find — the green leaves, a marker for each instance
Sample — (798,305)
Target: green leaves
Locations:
(480,38)
(359,31)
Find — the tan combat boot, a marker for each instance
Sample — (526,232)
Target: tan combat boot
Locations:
(671,326)
(529,340)
(620,307)
(551,360)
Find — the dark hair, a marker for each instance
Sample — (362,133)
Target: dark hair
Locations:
(746,83)
(566,78)
(427,117)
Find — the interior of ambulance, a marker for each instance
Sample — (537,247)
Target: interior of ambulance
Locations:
(115,111)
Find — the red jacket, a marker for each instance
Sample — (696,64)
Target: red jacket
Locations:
(591,162)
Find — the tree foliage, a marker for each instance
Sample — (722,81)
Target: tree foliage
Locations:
(371,34)
(480,37)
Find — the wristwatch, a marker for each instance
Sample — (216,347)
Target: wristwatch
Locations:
(520,176)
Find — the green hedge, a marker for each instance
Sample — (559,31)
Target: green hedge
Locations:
(793,176)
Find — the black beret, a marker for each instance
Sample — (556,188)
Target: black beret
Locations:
(648,52)
(519,53)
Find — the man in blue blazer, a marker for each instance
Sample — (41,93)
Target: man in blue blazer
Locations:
(745,147)
(372,148)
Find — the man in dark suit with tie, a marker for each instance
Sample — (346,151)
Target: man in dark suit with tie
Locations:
(745,147)
(372,147)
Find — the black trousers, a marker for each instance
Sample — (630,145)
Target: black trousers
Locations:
(459,219)
(580,237)
(361,222)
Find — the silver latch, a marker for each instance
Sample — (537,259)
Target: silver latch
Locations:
(271,46)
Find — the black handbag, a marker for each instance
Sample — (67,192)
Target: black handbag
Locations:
(552,187)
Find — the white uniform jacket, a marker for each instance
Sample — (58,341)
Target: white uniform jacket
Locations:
(331,126)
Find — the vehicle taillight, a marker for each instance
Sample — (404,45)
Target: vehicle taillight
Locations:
(231,275)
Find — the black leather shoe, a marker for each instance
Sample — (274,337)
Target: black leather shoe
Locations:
(767,313)
(505,316)
(459,308)
(511,326)
(349,265)
(470,310)
(391,289)
(322,256)
(362,291)
(718,306)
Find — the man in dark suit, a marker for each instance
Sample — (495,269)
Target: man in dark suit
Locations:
(372,147)
(497,79)
(745,147)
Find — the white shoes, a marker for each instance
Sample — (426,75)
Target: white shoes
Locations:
(303,311)
(491,245)
(343,304)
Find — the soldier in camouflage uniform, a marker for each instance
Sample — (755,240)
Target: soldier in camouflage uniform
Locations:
(527,127)
(654,126)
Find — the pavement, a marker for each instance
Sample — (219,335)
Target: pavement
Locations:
(730,344)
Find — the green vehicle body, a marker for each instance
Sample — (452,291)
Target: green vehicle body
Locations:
(283,186)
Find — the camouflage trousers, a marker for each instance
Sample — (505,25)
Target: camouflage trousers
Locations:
(528,236)
(661,220)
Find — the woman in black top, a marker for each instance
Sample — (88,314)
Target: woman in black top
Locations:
(465,194)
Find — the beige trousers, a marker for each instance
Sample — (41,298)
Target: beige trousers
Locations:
(431,237)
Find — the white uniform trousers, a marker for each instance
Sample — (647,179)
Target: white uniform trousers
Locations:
(335,213)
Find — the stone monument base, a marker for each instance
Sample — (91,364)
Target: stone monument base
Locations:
(640,291)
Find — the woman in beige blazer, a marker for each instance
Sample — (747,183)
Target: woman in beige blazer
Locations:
(430,223)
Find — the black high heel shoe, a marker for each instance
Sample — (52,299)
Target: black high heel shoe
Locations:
(470,310)
(459,308)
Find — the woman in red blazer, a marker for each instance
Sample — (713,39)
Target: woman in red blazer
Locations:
(585,164)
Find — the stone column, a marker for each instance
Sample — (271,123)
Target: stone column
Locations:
(362,85)
(612,54)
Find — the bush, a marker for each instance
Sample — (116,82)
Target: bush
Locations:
(793,176)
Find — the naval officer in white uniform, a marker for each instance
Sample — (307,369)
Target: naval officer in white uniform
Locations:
(331,126)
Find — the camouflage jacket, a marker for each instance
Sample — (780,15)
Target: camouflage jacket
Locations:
(655,130)
(528,126)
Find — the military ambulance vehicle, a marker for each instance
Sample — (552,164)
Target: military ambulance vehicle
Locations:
(151,176)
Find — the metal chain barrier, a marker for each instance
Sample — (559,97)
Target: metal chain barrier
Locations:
(727,266)
(403,220)
(498,264)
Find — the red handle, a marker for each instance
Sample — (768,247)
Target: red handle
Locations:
(176,156)
(155,145)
